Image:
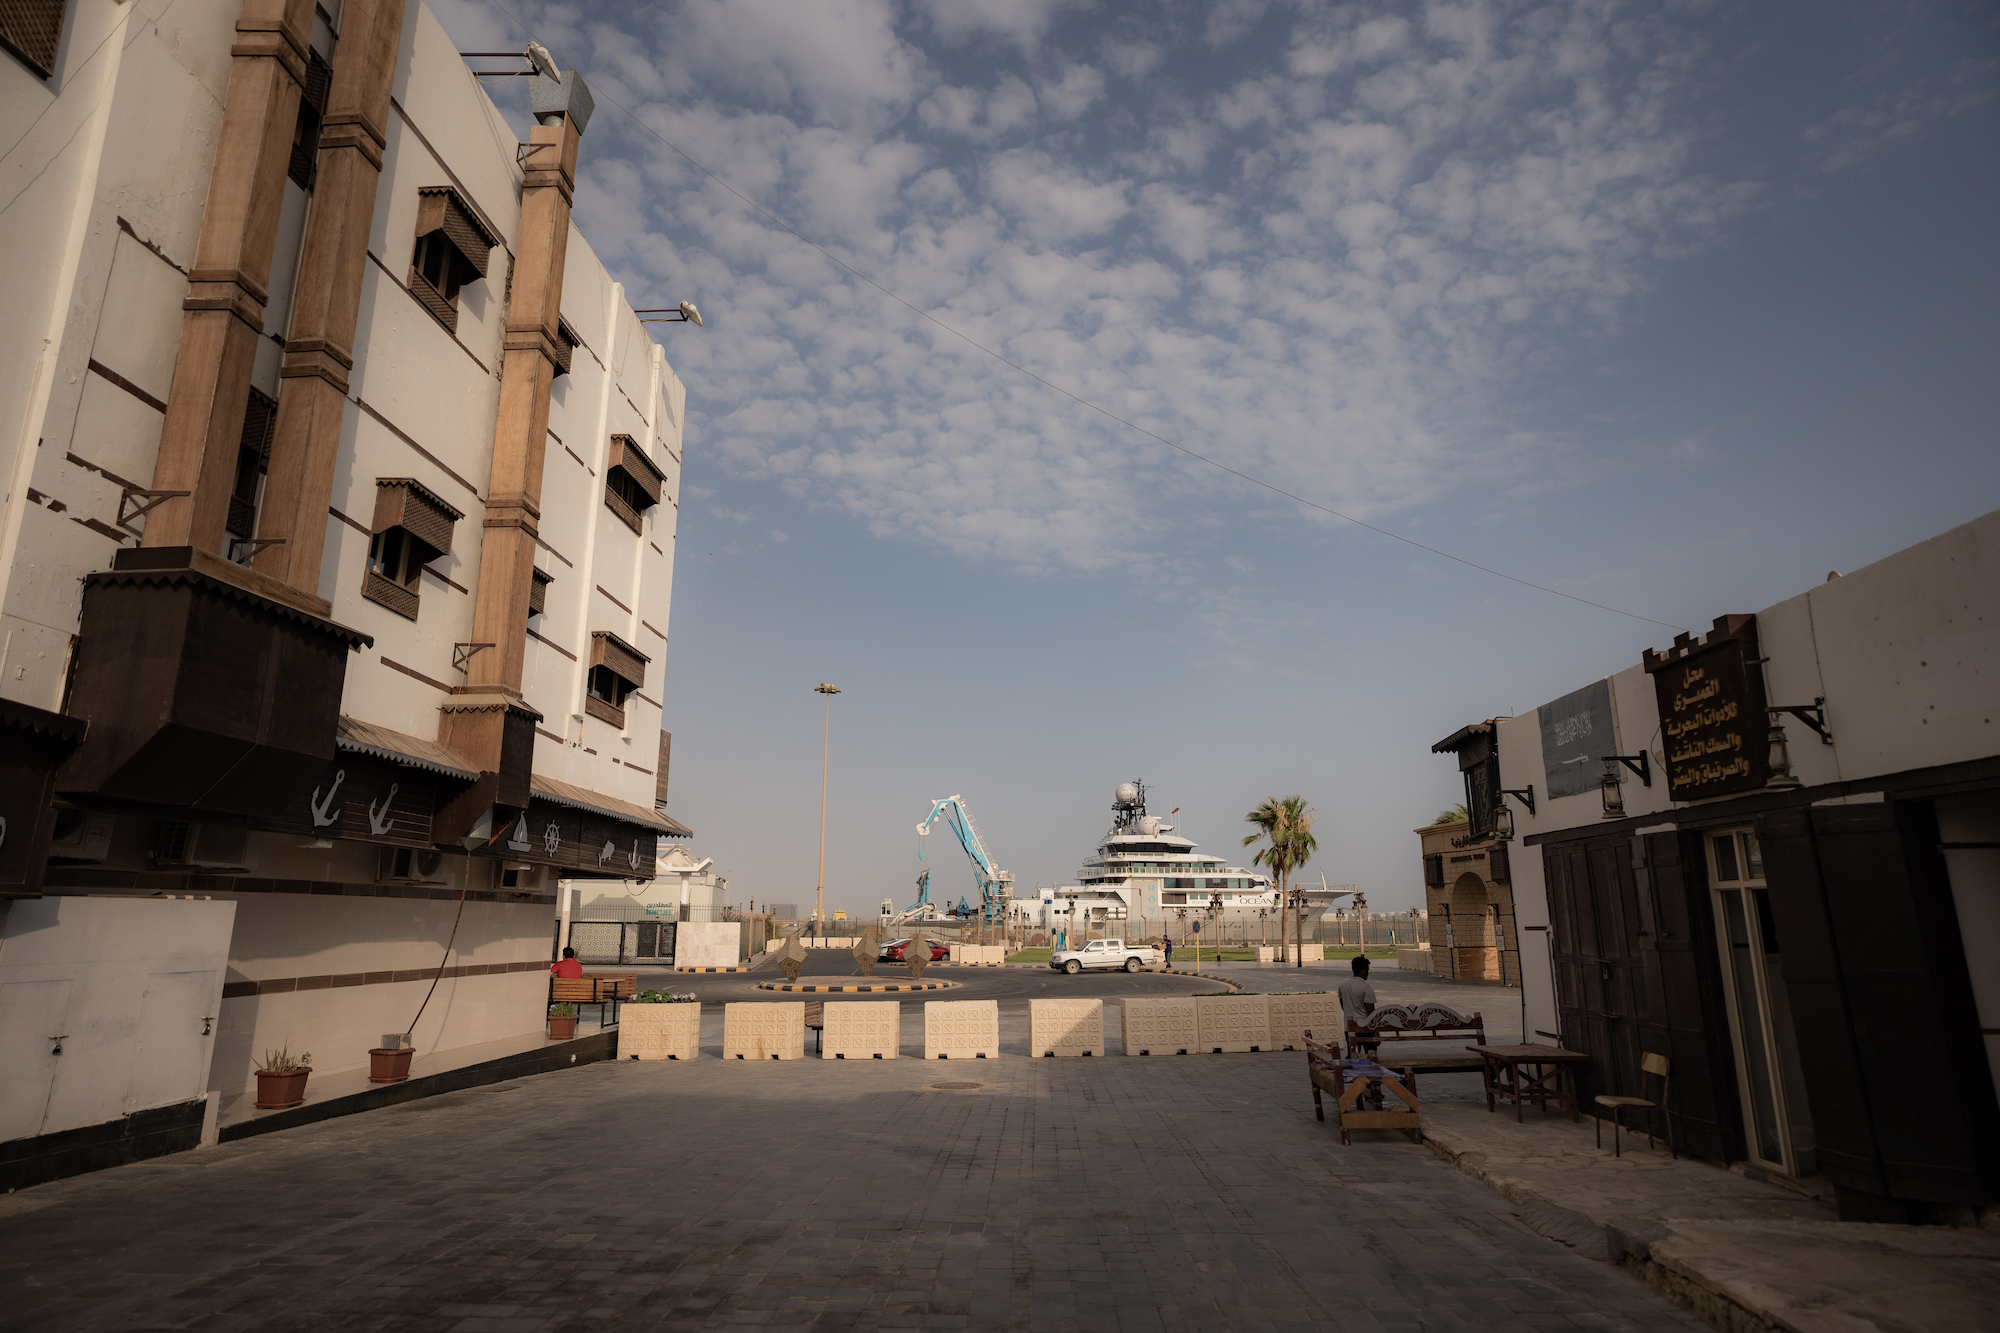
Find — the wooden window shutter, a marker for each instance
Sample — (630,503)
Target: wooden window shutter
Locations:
(439,208)
(32,30)
(1434,871)
(627,455)
(660,773)
(538,593)
(618,657)
(312,111)
(566,344)
(401,502)
(433,300)
(1499,868)
(260,425)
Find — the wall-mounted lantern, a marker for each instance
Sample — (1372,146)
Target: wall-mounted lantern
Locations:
(1608,788)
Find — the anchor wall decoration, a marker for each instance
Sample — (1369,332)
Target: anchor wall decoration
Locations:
(382,823)
(320,809)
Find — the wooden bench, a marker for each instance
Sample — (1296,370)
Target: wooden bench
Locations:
(598,988)
(1350,1080)
(1416,1035)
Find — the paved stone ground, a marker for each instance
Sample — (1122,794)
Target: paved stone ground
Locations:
(1190,1193)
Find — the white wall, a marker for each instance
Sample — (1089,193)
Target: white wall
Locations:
(128,984)
(281,935)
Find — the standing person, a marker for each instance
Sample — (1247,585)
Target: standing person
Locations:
(1167,946)
(570,966)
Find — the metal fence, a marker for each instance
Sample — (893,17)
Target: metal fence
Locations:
(621,941)
(1234,931)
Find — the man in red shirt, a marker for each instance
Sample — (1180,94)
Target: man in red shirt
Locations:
(569,966)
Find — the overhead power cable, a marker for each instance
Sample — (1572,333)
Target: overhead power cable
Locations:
(1080,400)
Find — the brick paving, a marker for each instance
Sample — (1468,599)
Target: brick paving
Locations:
(1123,1193)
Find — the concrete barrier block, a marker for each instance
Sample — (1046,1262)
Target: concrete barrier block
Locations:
(1066,1027)
(1312,953)
(1160,1026)
(862,1030)
(1226,1023)
(1292,1016)
(962,1030)
(659,1032)
(957,954)
(1267,953)
(1413,960)
(756,1030)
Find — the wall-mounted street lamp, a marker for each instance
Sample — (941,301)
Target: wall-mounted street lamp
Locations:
(684,313)
(1781,757)
(1608,788)
(1814,716)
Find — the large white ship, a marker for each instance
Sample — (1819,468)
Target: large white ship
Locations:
(1144,871)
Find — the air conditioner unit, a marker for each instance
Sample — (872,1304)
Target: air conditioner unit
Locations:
(414,865)
(80,835)
(520,876)
(205,846)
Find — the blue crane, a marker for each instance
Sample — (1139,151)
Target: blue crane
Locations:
(996,886)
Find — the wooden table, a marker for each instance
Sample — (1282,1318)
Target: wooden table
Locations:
(1549,1063)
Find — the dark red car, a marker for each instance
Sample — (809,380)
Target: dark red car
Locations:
(892,950)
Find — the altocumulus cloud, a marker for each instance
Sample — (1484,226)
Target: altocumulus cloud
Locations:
(1304,239)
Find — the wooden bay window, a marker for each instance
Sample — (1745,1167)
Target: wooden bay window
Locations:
(632,484)
(412,528)
(616,669)
(451,250)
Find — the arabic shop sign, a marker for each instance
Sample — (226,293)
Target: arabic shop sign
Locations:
(1713,728)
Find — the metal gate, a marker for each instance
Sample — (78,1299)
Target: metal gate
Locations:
(623,941)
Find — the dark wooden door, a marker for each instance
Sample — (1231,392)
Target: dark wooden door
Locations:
(1686,1015)
(1893,1061)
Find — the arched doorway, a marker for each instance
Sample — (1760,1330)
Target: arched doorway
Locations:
(1474,953)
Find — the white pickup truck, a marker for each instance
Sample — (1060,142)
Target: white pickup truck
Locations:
(1105,954)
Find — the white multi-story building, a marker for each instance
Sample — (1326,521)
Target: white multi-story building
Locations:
(337,543)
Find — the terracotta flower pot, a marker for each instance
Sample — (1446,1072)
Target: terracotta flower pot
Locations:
(562,1029)
(389,1065)
(278,1092)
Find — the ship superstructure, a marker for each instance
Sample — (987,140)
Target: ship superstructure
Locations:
(1144,870)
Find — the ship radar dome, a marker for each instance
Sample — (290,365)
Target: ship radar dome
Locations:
(1127,794)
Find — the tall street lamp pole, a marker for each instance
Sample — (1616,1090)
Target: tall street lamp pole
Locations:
(826,747)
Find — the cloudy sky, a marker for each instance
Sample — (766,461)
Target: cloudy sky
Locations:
(1668,307)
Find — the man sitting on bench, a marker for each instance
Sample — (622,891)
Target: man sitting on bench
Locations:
(570,966)
(1357,1001)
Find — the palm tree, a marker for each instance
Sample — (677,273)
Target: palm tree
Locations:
(1453,814)
(1286,825)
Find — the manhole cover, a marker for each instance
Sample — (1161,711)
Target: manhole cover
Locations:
(955,1087)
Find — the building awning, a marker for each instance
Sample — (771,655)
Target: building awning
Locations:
(581,798)
(352,734)
(1455,742)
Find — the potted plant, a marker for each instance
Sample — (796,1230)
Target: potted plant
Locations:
(281,1079)
(660,1025)
(562,1021)
(391,1064)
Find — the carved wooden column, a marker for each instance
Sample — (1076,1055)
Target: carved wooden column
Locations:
(319,347)
(487,722)
(229,282)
